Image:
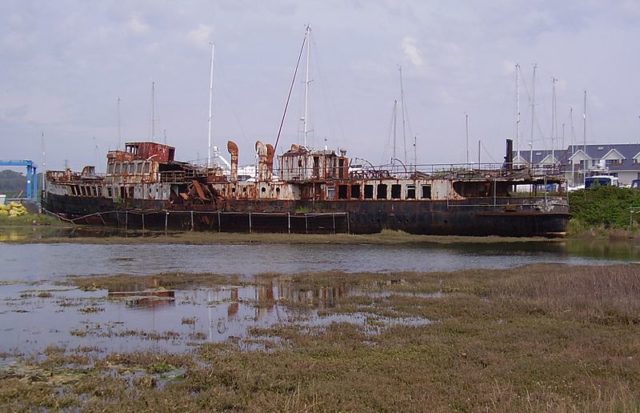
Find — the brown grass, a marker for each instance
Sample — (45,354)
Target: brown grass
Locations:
(542,338)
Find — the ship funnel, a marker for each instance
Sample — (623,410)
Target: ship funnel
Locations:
(508,159)
(233,151)
(263,167)
(270,154)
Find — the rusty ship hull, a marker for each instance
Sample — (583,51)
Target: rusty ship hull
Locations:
(310,192)
(358,217)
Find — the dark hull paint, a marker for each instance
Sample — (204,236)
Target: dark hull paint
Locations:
(477,217)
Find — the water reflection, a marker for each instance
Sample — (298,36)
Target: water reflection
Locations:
(133,318)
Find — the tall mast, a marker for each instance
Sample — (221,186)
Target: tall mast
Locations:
(44,162)
(533,113)
(404,134)
(305,120)
(153,109)
(573,148)
(584,125)
(584,136)
(466,126)
(554,120)
(395,117)
(415,153)
(119,129)
(210,107)
(517,115)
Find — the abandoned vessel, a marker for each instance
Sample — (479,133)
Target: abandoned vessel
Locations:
(310,191)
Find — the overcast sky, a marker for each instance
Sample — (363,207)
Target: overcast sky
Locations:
(65,63)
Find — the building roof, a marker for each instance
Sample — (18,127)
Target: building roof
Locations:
(596,152)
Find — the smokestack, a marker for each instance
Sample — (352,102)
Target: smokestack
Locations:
(233,151)
(508,159)
(270,154)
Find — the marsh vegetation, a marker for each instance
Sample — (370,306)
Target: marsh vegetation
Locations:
(536,338)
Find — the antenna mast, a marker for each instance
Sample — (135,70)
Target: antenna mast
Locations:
(306,87)
(533,113)
(210,106)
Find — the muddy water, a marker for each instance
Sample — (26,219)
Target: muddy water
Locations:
(31,262)
(36,312)
(36,316)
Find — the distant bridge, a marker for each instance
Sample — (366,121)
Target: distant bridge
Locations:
(32,185)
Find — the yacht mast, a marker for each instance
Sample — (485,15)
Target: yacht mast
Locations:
(584,135)
(466,126)
(153,109)
(210,107)
(395,117)
(533,114)
(119,129)
(404,133)
(305,119)
(517,116)
(554,120)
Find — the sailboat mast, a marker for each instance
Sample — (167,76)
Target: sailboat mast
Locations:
(395,116)
(584,125)
(466,127)
(153,109)
(210,107)
(533,113)
(305,120)
(119,129)
(517,115)
(584,136)
(404,128)
(554,120)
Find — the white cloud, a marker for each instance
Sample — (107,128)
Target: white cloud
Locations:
(411,51)
(200,36)
(136,25)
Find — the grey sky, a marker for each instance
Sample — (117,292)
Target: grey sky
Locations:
(64,63)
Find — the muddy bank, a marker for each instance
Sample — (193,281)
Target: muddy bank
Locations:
(535,338)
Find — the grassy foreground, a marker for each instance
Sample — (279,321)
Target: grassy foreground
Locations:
(548,338)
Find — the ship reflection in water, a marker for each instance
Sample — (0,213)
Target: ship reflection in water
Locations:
(148,317)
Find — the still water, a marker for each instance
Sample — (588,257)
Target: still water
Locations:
(37,312)
(37,262)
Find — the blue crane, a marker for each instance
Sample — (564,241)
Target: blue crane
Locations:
(32,185)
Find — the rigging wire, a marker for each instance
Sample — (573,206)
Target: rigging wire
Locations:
(286,106)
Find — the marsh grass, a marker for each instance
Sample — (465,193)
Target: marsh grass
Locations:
(542,338)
